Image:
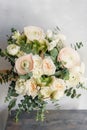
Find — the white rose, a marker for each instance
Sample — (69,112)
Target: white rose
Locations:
(51,45)
(58,87)
(34,33)
(45,92)
(48,66)
(31,87)
(49,34)
(37,64)
(13,49)
(57,95)
(21,87)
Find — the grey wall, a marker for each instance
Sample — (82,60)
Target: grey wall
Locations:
(69,15)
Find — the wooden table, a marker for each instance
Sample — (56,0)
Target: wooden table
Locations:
(55,120)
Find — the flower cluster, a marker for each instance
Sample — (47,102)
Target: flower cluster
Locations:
(43,67)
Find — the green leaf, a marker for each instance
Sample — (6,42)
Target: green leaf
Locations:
(26,76)
(54,53)
(78,95)
(46,80)
(12,104)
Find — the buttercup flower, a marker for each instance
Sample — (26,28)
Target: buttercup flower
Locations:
(21,87)
(48,66)
(13,49)
(31,87)
(24,64)
(69,57)
(34,33)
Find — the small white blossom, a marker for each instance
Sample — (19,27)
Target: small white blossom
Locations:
(37,66)
(51,45)
(16,35)
(49,34)
(21,87)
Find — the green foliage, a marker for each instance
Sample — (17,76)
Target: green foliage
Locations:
(12,104)
(29,104)
(11,91)
(54,54)
(26,76)
(77,46)
(80,85)
(72,93)
(63,74)
(46,80)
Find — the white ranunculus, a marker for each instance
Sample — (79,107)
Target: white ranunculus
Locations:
(49,34)
(21,87)
(37,66)
(34,33)
(31,87)
(51,45)
(69,57)
(48,66)
(45,92)
(13,49)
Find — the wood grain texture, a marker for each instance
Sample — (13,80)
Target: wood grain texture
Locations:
(55,120)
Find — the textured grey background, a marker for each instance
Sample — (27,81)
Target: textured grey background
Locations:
(69,15)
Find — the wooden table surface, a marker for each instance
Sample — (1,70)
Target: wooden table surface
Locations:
(55,120)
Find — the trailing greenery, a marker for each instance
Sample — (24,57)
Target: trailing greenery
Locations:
(77,46)
(72,93)
(29,104)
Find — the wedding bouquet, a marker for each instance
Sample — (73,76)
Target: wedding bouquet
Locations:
(43,67)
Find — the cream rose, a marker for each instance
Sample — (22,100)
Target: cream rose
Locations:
(21,87)
(13,49)
(48,66)
(34,33)
(45,92)
(31,87)
(37,66)
(24,64)
(69,57)
(57,88)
